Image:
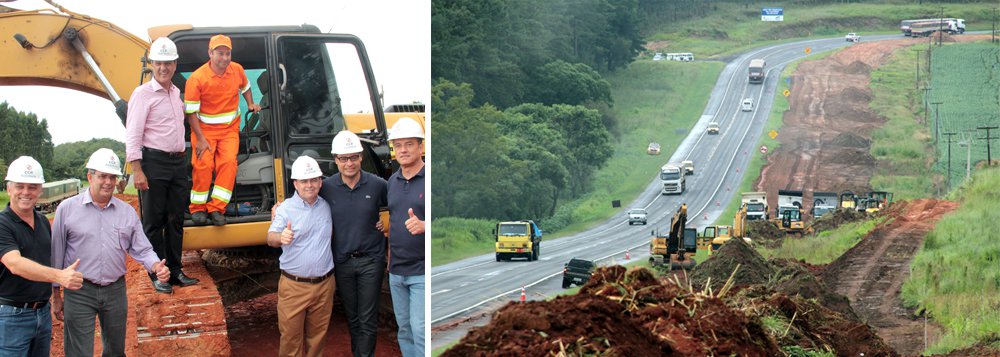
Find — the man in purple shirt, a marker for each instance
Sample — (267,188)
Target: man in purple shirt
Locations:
(98,230)
(154,149)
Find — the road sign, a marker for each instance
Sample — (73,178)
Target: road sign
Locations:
(808,49)
(763,149)
(786,92)
(773,134)
(772,14)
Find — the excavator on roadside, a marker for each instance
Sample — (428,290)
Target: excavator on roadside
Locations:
(675,250)
(309,84)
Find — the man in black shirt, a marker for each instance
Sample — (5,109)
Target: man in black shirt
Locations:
(25,276)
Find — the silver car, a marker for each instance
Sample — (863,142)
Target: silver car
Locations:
(636,215)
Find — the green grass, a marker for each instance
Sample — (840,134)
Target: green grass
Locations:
(954,277)
(824,247)
(457,238)
(902,145)
(4,199)
(735,27)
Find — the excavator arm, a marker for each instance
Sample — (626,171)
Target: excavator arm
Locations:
(73,51)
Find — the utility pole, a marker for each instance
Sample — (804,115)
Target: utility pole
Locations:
(917,84)
(940,26)
(937,120)
(968,151)
(993,34)
(989,157)
(948,173)
(926,100)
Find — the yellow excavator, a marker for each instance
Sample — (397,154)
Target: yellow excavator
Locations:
(310,85)
(676,250)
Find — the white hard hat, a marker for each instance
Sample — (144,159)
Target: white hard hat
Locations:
(305,167)
(163,49)
(346,142)
(25,170)
(406,128)
(105,160)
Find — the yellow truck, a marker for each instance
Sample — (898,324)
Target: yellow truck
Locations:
(518,239)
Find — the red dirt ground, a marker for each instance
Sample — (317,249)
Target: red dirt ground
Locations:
(872,272)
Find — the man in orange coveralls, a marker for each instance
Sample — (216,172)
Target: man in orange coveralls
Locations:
(211,103)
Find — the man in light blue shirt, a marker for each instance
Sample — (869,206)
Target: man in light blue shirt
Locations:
(302,227)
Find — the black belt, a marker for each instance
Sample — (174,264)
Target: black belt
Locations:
(164,153)
(316,280)
(104,285)
(357,254)
(24,305)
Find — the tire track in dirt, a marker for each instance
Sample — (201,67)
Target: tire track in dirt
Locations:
(872,272)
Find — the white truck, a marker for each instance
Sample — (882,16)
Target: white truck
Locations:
(755,204)
(924,27)
(823,202)
(672,178)
(789,200)
(852,37)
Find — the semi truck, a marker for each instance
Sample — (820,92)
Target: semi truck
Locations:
(927,26)
(672,178)
(757,70)
(55,192)
(518,239)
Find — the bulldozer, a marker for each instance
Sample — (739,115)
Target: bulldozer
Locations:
(788,216)
(874,202)
(848,200)
(675,250)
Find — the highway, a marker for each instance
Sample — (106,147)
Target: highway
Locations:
(481,284)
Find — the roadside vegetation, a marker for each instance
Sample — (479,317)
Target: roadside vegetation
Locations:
(824,247)
(954,278)
(4,198)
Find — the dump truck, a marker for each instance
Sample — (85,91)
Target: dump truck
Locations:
(676,249)
(518,239)
(672,178)
(757,70)
(823,202)
(755,204)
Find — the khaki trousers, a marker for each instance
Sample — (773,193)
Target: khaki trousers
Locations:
(304,315)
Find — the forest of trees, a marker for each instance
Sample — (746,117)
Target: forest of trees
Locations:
(23,134)
(521,107)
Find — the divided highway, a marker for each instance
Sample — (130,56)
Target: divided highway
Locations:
(479,284)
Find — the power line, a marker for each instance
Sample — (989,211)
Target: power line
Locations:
(989,157)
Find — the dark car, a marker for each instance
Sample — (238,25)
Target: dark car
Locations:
(577,271)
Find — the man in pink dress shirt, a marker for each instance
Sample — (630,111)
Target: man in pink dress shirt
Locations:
(154,148)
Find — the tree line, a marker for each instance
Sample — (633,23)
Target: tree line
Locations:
(24,134)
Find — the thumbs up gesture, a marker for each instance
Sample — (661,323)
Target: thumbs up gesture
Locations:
(414,224)
(287,235)
(161,271)
(69,278)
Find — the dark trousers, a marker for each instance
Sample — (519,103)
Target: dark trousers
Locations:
(163,205)
(109,304)
(359,285)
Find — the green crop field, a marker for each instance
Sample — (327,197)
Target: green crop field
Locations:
(966,81)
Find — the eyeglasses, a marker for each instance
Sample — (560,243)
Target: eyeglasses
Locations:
(345,159)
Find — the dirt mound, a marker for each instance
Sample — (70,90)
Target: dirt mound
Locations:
(619,313)
(834,219)
(796,278)
(849,140)
(765,234)
(858,67)
(753,268)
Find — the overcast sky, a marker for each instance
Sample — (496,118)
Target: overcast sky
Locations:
(396,34)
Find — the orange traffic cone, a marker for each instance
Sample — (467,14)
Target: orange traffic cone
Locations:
(626,255)
(522,293)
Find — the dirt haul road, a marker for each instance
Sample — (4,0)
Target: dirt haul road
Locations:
(825,146)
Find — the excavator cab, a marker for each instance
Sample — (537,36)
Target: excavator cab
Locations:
(306,82)
(848,200)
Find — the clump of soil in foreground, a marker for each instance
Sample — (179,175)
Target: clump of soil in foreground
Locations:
(632,313)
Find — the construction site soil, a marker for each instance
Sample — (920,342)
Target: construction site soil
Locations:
(193,321)
(765,309)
